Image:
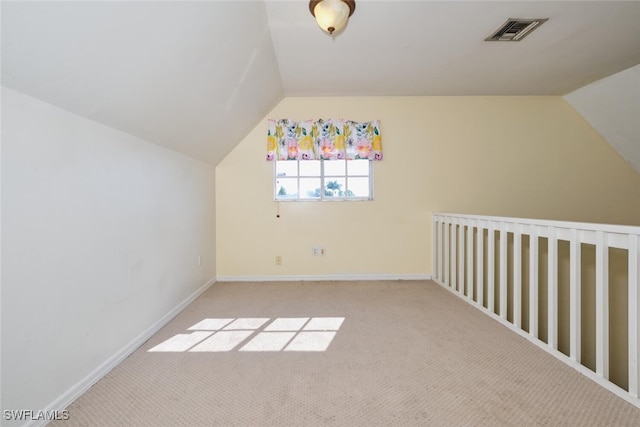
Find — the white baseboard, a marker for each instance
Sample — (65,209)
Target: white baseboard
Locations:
(323,277)
(77,390)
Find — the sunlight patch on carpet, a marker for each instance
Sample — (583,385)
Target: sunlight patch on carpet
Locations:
(211,324)
(287,324)
(222,341)
(311,341)
(268,341)
(256,334)
(181,342)
(244,324)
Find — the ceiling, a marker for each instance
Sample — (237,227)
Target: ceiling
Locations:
(438,48)
(196,77)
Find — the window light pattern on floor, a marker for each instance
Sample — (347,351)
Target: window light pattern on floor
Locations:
(256,333)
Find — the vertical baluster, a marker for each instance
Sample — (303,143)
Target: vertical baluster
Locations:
(480,265)
(454,254)
(575,282)
(441,226)
(634,318)
(602,305)
(517,276)
(491,253)
(447,234)
(461,257)
(552,288)
(503,270)
(533,282)
(434,248)
(470,261)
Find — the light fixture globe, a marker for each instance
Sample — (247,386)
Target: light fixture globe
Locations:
(332,15)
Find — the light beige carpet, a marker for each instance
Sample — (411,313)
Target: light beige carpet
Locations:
(408,353)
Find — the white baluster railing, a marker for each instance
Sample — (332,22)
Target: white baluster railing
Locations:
(462,258)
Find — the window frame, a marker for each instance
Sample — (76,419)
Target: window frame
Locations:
(323,179)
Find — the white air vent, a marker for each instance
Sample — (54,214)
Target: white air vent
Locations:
(515,29)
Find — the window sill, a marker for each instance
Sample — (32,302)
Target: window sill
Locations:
(336,199)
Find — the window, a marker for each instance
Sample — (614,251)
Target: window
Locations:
(323,180)
(323,159)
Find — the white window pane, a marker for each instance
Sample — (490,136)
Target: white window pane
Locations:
(358,187)
(358,167)
(310,168)
(335,187)
(342,179)
(287,188)
(287,168)
(334,167)
(309,188)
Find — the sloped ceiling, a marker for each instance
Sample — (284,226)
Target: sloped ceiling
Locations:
(197,76)
(190,76)
(612,106)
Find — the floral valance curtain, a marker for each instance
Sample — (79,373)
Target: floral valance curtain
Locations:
(323,139)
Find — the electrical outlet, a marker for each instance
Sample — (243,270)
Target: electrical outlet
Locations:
(278,260)
(318,251)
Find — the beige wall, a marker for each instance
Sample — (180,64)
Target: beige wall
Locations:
(508,156)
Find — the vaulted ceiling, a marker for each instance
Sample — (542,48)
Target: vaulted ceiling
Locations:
(197,76)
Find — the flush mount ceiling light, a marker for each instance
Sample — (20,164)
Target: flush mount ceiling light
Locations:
(332,15)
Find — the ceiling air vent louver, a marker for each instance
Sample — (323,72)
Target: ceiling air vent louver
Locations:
(515,29)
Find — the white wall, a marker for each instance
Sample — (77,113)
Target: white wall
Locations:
(612,107)
(101,237)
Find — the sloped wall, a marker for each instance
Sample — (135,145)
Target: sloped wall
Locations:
(101,234)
